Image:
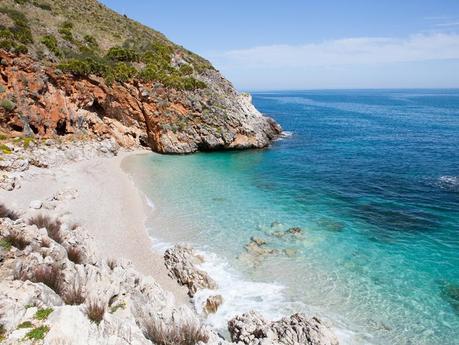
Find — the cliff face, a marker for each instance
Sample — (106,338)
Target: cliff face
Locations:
(140,99)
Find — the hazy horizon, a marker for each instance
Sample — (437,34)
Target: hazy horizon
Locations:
(310,45)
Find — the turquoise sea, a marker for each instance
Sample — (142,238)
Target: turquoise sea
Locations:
(372,179)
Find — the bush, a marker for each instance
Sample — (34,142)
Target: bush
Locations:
(42,5)
(7,213)
(42,314)
(186,70)
(25,324)
(122,54)
(75,255)
(48,275)
(175,334)
(17,240)
(66,31)
(95,310)
(7,105)
(37,333)
(21,30)
(53,226)
(111,263)
(121,72)
(51,43)
(5,149)
(91,42)
(73,295)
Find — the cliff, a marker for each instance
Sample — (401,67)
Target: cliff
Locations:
(78,68)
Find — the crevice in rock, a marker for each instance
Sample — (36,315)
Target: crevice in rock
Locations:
(61,127)
(97,108)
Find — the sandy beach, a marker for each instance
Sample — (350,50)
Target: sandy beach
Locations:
(108,205)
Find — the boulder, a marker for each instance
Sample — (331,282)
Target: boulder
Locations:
(252,329)
(181,262)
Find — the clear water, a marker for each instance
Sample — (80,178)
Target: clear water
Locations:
(372,178)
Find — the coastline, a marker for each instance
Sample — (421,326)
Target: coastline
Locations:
(103,188)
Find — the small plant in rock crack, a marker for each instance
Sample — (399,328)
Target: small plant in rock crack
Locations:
(95,310)
(53,226)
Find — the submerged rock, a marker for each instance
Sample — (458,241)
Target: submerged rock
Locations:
(450,293)
(252,329)
(181,262)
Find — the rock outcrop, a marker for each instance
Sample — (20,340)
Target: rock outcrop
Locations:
(252,329)
(47,103)
(181,262)
(49,290)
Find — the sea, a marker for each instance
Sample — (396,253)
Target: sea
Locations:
(371,177)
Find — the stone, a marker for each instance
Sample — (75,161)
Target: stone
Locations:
(35,204)
(252,329)
(212,304)
(181,262)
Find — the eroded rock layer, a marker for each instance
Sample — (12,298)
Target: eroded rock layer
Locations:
(41,100)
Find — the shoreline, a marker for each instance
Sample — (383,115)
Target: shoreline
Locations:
(103,187)
(100,214)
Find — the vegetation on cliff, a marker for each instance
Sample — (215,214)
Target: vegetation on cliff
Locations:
(84,37)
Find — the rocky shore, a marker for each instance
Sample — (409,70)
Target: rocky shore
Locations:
(70,277)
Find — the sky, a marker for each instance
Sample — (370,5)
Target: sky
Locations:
(311,44)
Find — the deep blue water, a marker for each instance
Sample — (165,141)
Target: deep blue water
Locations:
(372,178)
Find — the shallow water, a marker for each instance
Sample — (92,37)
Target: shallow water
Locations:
(372,178)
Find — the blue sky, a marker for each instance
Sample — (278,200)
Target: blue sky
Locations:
(293,44)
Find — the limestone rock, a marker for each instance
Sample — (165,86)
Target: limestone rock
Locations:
(212,304)
(252,329)
(181,262)
(35,204)
(132,114)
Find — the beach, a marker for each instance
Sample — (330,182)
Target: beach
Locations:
(108,205)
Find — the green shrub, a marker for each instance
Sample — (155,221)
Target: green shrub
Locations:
(21,2)
(5,244)
(37,333)
(122,54)
(42,5)
(91,42)
(65,30)
(186,70)
(2,333)
(7,104)
(42,314)
(122,72)
(83,67)
(21,30)
(25,324)
(149,73)
(51,43)
(193,84)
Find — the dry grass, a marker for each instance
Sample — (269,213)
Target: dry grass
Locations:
(53,226)
(112,263)
(95,310)
(45,242)
(177,334)
(48,275)
(73,295)
(17,240)
(7,213)
(75,255)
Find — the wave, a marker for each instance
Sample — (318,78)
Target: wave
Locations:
(239,295)
(283,135)
(450,183)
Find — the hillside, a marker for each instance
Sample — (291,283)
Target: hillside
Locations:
(78,68)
